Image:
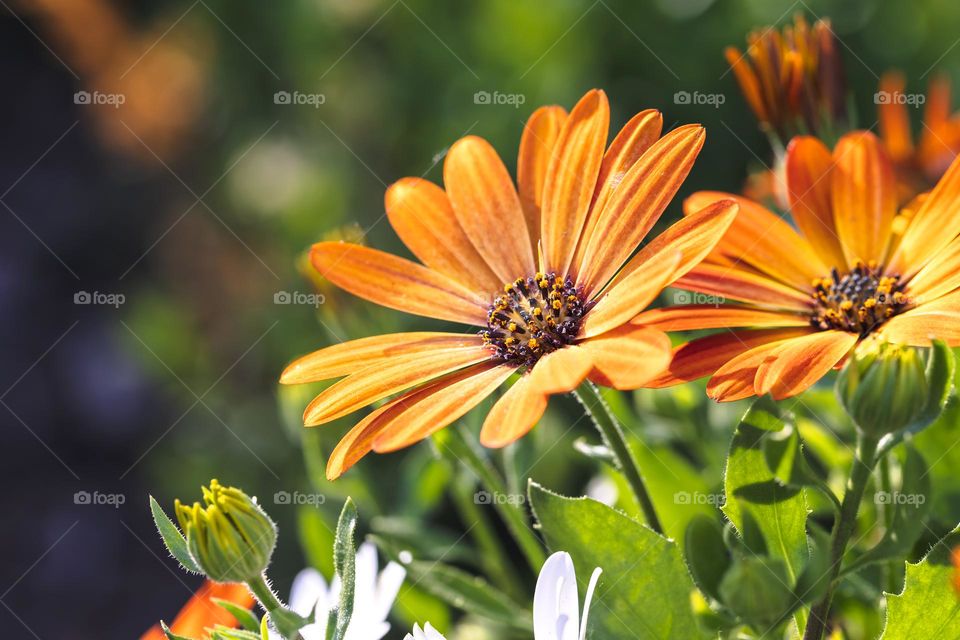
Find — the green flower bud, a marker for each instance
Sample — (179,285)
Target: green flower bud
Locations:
(229,537)
(883,387)
(755,589)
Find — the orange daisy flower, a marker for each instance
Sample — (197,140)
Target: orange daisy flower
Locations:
(807,295)
(919,165)
(543,269)
(793,80)
(201,612)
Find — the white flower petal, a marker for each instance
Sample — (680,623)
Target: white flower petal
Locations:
(388,586)
(432,634)
(316,631)
(308,589)
(594,578)
(556,605)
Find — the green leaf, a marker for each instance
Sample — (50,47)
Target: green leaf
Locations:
(246,618)
(175,542)
(460,589)
(707,555)
(345,559)
(753,494)
(928,606)
(644,592)
(910,507)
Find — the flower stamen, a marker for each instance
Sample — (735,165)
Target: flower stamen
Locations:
(533,317)
(859,301)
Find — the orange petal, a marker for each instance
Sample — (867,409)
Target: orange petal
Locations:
(637,203)
(692,316)
(397,283)
(937,111)
(939,319)
(422,216)
(694,237)
(632,295)
(765,241)
(200,612)
(894,118)
(807,168)
(735,379)
(939,277)
(572,178)
(703,356)
(488,208)
(627,147)
(864,197)
(383,379)
(539,139)
(353,355)
(797,364)
(935,224)
(440,405)
(739,284)
(748,81)
(514,414)
(628,357)
(519,409)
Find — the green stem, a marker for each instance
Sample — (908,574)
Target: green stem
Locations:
(843,529)
(287,622)
(452,442)
(613,437)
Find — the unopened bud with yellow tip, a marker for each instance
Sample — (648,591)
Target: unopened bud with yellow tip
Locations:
(884,387)
(229,536)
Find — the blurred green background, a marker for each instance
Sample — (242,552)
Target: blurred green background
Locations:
(197,197)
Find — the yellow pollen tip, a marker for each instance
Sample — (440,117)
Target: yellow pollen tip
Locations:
(532,343)
(512,326)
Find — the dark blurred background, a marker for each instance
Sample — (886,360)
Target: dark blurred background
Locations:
(158,193)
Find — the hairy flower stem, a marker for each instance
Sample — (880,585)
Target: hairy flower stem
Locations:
(842,530)
(287,622)
(613,437)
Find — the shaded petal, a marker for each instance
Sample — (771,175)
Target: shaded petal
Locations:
(693,316)
(521,407)
(351,356)
(632,295)
(572,178)
(864,197)
(807,167)
(358,442)
(628,357)
(703,356)
(627,147)
(739,284)
(894,118)
(797,364)
(488,208)
(440,407)
(383,379)
(694,237)
(397,283)
(556,600)
(763,240)
(935,224)
(539,139)
(735,379)
(939,319)
(637,203)
(422,216)
(939,277)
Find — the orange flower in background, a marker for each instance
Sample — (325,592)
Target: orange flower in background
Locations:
(793,80)
(955,557)
(201,612)
(536,267)
(918,165)
(806,296)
